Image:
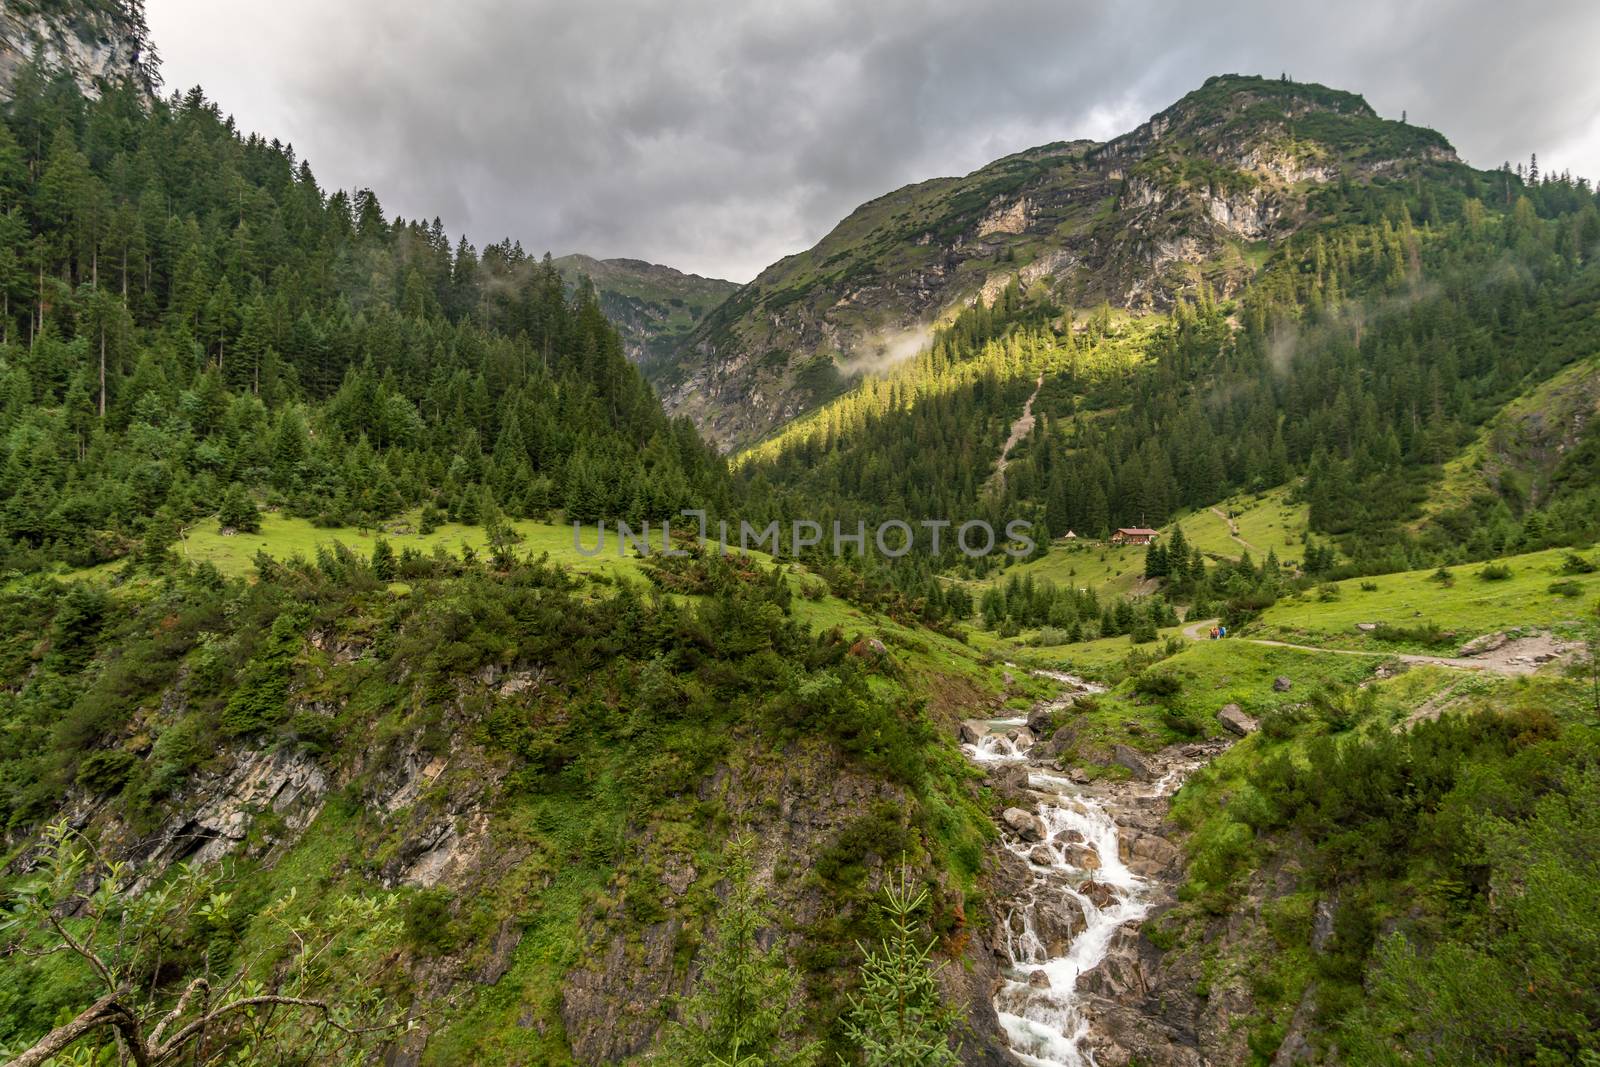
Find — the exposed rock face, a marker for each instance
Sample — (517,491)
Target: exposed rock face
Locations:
(795,804)
(286,784)
(96,48)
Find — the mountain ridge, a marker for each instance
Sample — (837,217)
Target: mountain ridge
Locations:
(1168,208)
(653,306)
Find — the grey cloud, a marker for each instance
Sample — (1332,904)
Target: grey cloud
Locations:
(717,137)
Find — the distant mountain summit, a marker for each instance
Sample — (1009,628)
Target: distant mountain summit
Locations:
(1190,198)
(653,307)
(98,42)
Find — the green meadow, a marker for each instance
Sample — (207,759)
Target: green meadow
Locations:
(1539,593)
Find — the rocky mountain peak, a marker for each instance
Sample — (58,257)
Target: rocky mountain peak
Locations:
(1138,221)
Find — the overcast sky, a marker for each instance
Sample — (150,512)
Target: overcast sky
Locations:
(717,137)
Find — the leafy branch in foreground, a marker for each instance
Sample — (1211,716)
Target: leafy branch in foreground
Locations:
(898,1019)
(130,942)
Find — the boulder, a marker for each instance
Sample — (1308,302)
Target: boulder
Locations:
(1366,627)
(1234,720)
(1040,721)
(1100,894)
(1057,923)
(1042,856)
(1039,980)
(1151,847)
(1282,684)
(1060,741)
(1010,782)
(1481,645)
(1125,973)
(1082,857)
(1022,737)
(1024,824)
(969,734)
(1131,759)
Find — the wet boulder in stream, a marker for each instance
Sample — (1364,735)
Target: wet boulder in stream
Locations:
(1025,824)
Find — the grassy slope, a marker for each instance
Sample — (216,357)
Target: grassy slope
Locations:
(1271,958)
(283,537)
(1110,570)
(1470,606)
(1266,521)
(1522,443)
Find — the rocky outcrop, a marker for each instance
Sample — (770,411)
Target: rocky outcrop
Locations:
(797,805)
(1025,824)
(283,783)
(97,47)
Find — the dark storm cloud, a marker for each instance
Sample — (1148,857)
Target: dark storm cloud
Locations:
(717,137)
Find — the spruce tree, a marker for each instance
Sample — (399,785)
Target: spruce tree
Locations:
(239,511)
(383,560)
(898,1019)
(739,1014)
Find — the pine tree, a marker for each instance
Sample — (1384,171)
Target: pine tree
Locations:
(239,511)
(1155,561)
(383,560)
(898,1019)
(739,1014)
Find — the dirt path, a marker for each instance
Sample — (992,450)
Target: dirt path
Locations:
(1019,429)
(1233,528)
(1523,656)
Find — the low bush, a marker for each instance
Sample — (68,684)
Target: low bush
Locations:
(1572,563)
(1424,633)
(1158,685)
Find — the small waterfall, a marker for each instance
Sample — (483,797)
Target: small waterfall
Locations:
(1081,892)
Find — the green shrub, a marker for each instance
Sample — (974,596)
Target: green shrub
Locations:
(1572,563)
(1566,588)
(1158,685)
(106,771)
(1183,723)
(1424,633)
(429,929)
(1495,572)
(1279,723)
(1369,587)
(1050,635)
(239,511)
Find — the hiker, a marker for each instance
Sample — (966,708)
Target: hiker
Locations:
(1223,632)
